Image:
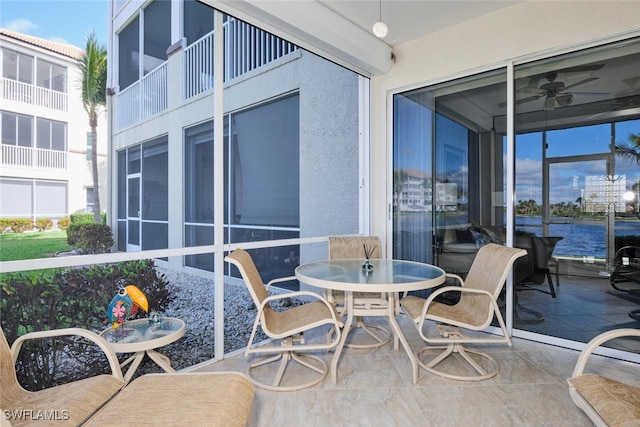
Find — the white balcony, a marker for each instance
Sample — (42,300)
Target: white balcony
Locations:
(13,155)
(143,99)
(13,90)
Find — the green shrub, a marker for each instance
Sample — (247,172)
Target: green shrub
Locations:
(16,225)
(86,218)
(91,238)
(43,224)
(63,223)
(81,218)
(33,301)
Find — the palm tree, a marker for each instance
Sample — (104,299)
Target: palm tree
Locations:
(93,66)
(630,150)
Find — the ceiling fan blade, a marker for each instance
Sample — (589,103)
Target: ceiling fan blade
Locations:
(531,87)
(521,101)
(581,82)
(587,93)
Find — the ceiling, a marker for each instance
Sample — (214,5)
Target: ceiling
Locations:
(411,19)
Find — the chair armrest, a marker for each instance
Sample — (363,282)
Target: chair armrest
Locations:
(91,336)
(456,277)
(279,280)
(597,342)
(314,295)
(445,289)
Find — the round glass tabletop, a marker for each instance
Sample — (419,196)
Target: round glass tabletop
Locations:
(140,334)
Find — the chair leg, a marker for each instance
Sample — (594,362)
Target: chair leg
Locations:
(478,372)
(368,328)
(550,281)
(320,367)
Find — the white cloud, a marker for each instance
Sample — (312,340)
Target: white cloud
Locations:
(21,25)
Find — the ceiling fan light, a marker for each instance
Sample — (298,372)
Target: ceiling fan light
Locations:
(380,29)
(549,103)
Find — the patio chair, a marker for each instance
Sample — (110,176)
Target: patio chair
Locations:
(607,402)
(208,398)
(288,326)
(352,247)
(625,274)
(79,399)
(541,250)
(474,311)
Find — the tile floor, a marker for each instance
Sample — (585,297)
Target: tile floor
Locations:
(374,386)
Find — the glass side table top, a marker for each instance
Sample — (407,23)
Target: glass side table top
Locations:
(140,334)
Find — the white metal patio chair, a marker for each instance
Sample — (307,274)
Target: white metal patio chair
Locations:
(287,326)
(79,399)
(475,310)
(607,402)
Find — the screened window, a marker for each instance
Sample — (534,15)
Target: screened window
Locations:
(198,20)
(51,135)
(89,146)
(89,199)
(17,129)
(17,66)
(155,180)
(129,54)
(143,203)
(157,34)
(50,76)
(199,174)
(265,139)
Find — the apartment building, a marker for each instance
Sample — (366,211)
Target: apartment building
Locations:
(291,128)
(45,156)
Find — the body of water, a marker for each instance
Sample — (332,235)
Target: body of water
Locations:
(580,239)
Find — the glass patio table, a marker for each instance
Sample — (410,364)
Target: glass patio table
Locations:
(388,276)
(142,337)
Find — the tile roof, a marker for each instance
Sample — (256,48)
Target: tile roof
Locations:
(61,48)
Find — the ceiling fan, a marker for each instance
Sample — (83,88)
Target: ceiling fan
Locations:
(556,92)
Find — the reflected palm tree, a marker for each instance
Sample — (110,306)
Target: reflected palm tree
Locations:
(630,150)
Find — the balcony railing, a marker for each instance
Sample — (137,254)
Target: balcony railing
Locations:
(247,48)
(144,98)
(13,155)
(14,90)
(198,66)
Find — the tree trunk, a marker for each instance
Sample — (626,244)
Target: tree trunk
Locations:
(94,168)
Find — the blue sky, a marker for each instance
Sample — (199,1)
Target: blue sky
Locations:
(68,21)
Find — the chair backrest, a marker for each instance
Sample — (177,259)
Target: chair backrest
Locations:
(491,267)
(8,379)
(242,259)
(544,247)
(489,271)
(350,247)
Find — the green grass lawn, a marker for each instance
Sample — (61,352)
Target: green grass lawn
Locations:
(32,245)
